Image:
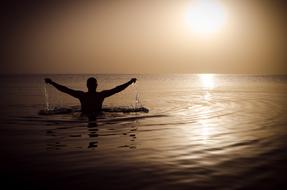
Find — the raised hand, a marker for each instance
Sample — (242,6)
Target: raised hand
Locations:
(48,80)
(133,80)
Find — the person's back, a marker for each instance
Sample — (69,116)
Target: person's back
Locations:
(91,101)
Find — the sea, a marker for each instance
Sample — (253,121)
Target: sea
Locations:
(198,131)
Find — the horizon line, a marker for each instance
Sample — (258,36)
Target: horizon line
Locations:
(165,73)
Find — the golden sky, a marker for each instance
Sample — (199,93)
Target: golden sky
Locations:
(147,36)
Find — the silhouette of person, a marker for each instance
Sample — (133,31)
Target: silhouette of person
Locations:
(91,101)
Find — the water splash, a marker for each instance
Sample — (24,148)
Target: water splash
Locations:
(46,98)
(138,103)
(76,109)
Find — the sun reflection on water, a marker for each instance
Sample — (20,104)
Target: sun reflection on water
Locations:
(207,81)
(205,131)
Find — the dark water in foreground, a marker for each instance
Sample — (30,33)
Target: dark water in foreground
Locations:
(202,132)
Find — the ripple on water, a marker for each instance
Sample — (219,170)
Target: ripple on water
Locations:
(191,138)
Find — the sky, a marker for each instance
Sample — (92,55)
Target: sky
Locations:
(145,36)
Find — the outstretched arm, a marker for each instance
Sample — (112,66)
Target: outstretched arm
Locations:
(64,89)
(119,88)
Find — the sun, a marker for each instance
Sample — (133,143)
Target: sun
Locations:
(206,16)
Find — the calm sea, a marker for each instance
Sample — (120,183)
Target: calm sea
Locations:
(201,132)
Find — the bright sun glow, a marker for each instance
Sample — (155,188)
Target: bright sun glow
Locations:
(207,81)
(206,16)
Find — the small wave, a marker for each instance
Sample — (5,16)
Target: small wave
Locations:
(56,110)
(126,109)
(69,110)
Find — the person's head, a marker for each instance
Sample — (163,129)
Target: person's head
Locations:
(92,84)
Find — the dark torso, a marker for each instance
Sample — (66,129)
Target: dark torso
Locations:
(91,102)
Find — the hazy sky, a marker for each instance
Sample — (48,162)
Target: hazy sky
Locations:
(144,36)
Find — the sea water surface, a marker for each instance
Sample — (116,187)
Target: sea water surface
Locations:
(201,132)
